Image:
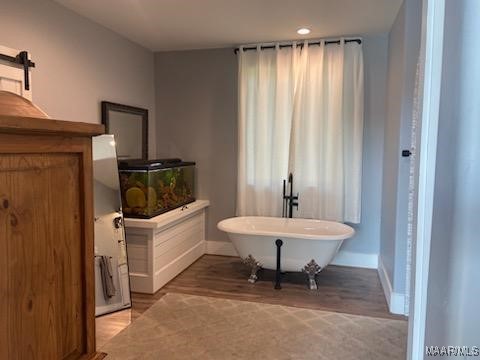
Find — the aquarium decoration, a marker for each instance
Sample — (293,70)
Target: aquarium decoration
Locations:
(152,187)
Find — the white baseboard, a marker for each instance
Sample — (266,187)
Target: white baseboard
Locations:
(395,301)
(343,258)
(348,258)
(224,248)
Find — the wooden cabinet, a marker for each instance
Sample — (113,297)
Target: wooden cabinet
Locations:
(47,304)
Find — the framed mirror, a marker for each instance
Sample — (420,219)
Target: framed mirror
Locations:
(129,125)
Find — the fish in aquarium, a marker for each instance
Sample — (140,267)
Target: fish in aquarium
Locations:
(149,189)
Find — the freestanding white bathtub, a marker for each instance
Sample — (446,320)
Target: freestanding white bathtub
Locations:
(306,245)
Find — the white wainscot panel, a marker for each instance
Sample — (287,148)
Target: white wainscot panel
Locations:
(162,247)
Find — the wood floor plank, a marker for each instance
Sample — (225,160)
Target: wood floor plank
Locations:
(341,289)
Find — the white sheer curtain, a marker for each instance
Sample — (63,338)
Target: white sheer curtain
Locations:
(266,90)
(326,147)
(301,111)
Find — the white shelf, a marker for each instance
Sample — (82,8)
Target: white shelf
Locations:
(169,218)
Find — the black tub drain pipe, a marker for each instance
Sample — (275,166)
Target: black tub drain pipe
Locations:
(278,274)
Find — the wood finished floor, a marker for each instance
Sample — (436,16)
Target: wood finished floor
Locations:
(340,289)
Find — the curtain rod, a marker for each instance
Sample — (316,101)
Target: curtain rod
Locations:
(327,42)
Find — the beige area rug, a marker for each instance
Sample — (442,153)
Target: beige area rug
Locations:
(196,327)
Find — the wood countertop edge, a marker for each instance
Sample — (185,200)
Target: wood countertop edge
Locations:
(28,125)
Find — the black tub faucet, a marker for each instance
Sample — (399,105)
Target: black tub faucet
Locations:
(289,201)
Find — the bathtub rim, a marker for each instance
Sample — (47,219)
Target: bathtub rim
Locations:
(222,226)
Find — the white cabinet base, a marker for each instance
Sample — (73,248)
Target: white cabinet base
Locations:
(162,247)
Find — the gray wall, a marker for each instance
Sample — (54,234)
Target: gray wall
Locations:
(197,116)
(196,101)
(79,63)
(396,67)
(404,46)
(367,238)
(453,316)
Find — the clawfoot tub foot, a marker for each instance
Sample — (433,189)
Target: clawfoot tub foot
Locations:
(254,265)
(312,269)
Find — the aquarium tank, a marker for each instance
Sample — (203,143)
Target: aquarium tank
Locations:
(152,187)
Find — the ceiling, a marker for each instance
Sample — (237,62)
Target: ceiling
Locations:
(162,25)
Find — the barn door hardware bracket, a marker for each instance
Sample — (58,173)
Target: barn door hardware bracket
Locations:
(21,59)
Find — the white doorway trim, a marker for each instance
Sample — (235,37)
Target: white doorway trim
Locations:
(432,37)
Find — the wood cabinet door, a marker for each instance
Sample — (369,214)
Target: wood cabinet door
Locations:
(42,275)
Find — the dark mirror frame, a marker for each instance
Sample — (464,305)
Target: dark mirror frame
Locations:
(109,106)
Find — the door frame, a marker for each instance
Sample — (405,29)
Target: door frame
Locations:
(432,45)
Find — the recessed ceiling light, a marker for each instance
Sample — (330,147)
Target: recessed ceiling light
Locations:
(303,31)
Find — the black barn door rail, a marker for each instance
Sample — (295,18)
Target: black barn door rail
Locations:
(21,59)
